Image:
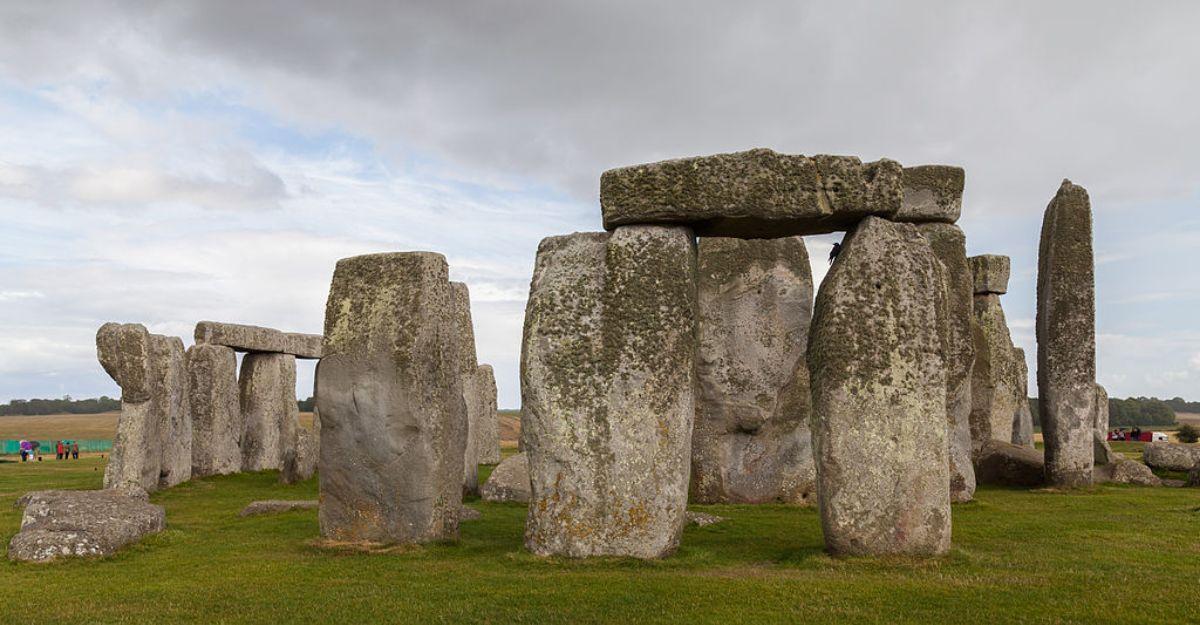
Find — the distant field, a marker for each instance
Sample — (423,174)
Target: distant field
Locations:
(510,427)
(65,426)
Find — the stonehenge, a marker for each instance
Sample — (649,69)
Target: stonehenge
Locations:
(1066,337)
(751,442)
(393,419)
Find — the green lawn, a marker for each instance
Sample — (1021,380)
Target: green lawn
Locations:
(1108,555)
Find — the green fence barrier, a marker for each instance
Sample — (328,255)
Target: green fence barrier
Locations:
(13,448)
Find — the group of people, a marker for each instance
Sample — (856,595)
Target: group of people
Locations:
(63,450)
(1120,434)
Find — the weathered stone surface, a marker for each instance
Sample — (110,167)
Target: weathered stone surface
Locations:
(126,351)
(277,506)
(1023,418)
(488,439)
(253,339)
(990,274)
(300,462)
(703,519)
(1171,456)
(89,523)
(1193,478)
(949,246)
(473,397)
(267,390)
(175,427)
(1066,336)
(467,513)
(509,481)
(1101,451)
(1125,471)
(393,420)
(754,194)
(1001,463)
(996,381)
(215,409)
(751,442)
(607,379)
(932,193)
(879,395)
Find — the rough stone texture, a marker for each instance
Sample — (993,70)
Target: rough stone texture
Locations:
(1124,471)
(127,354)
(932,193)
(1066,336)
(1023,418)
(949,246)
(1171,456)
(300,462)
(990,274)
(467,513)
(754,194)
(488,439)
(473,396)
(393,420)
(607,379)
(996,381)
(277,506)
(1101,451)
(215,409)
(175,425)
(879,395)
(87,523)
(703,519)
(751,442)
(252,339)
(1001,463)
(1193,478)
(509,481)
(267,390)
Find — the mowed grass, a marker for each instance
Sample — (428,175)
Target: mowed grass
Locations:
(1112,554)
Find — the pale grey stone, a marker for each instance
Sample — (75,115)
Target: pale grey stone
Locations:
(215,409)
(1171,456)
(879,395)
(1023,417)
(127,353)
(1125,471)
(752,442)
(245,338)
(753,194)
(270,416)
(472,393)
(488,440)
(82,523)
(998,379)
(300,462)
(703,519)
(1066,336)
(990,274)
(175,425)
(393,420)
(467,513)
(1101,451)
(277,506)
(932,193)
(1000,463)
(509,481)
(608,382)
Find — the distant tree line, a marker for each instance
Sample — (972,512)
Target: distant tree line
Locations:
(306,405)
(1132,411)
(59,406)
(1179,404)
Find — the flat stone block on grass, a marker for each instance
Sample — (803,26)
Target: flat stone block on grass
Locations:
(86,523)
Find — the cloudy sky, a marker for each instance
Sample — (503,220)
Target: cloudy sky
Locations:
(170,162)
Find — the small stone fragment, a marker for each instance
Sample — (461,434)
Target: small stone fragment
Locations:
(703,519)
(277,506)
(1125,471)
(509,481)
(990,274)
(1000,463)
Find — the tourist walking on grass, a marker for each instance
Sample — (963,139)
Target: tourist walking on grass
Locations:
(75,450)
(58,451)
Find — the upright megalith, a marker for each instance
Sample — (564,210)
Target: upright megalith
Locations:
(473,394)
(215,409)
(175,425)
(488,438)
(1066,337)
(267,389)
(996,386)
(879,392)
(751,442)
(1102,452)
(393,420)
(607,383)
(1023,417)
(949,246)
(126,351)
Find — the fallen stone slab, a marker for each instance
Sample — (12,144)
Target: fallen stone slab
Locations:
(990,274)
(1066,337)
(62,524)
(270,416)
(932,193)
(1125,471)
(879,395)
(215,409)
(278,506)
(1171,456)
(246,338)
(509,481)
(758,193)
(751,442)
(1000,463)
(703,519)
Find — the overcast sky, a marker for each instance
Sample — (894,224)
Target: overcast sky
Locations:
(174,162)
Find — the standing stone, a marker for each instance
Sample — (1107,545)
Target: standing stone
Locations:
(751,442)
(1023,418)
(1101,450)
(269,411)
(393,420)
(949,246)
(995,381)
(879,396)
(472,394)
(127,354)
(175,426)
(488,439)
(1066,336)
(607,379)
(300,463)
(215,409)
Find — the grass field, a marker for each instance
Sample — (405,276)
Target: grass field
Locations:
(1108,555)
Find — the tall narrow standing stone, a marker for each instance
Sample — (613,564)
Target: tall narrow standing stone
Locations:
(472,393)
(751,442)
(607,379)
(879,396)
(269,412)
(488,439)
(393,420)
(949,245)
(1066,336)
(1101,450)
(216,412)
(175,427)
(127,354)
(995,382)
(1023,418)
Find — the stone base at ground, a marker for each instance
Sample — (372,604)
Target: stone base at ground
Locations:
(277,506)
(1004,464)
(62,524)
(509,481)
(1124,471)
